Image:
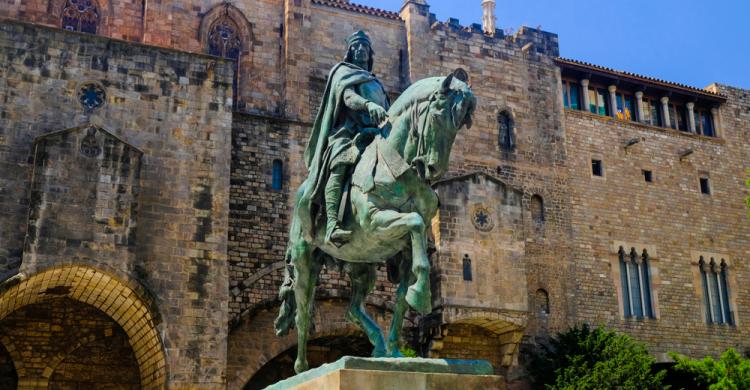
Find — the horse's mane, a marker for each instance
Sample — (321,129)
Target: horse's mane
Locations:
(416,92)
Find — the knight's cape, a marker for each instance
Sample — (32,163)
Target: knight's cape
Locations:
(341,77)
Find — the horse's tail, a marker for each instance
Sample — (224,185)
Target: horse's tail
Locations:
(285,321)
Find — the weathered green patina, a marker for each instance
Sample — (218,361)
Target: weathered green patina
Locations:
(388,200)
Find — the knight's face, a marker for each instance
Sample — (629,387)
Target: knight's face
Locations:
(361,51)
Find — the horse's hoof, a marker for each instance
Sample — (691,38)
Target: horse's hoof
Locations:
(379,353)
(300,366)
(419,301)
(395,353)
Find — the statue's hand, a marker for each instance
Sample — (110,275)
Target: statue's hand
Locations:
(377,113)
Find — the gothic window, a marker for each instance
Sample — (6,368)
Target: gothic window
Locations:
(715,291)
(537,210)
(636,284)
(80,15)
(467,268)
(277,175)
(224,41)
(506,139)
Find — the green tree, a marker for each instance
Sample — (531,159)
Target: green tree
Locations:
(583,358)
(730,372)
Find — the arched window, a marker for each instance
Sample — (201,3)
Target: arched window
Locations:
(506,138)
(542,301)
(80,15)
(636,284)
(277,175)
(715,291)
(467,268)
(537,209)
(224,41)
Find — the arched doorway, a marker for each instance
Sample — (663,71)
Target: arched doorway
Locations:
(76,312)
(320,351)
(8,375)
(73,346)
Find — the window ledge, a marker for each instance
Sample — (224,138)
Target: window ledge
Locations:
(609,119)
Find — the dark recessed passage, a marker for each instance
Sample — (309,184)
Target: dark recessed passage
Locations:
(596,168)
(648,176)
(705,187)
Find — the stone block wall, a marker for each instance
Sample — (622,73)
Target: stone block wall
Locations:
(173,107)
(670,217)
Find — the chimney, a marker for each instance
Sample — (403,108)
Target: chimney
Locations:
(488,17)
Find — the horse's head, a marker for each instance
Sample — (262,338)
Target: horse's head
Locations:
(450,108)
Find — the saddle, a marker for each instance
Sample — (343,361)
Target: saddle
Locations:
(380,165)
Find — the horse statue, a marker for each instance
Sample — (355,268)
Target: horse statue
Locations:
(389,205)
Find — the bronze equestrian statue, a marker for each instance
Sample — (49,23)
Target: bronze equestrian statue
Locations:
(367,199)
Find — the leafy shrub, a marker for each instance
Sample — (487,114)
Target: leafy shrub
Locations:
(730,372)
(582,358)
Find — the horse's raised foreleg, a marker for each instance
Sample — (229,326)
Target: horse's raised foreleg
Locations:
(394,335)
(306,268)
(394,225)
(363,277)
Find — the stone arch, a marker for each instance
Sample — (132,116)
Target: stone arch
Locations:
(106,14)
(253,343)
(130,306)
(14,354)
(227,10)
(541,302)
(536,206)
(506,329)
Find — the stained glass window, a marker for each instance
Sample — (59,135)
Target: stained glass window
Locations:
(80,15)
(224,41)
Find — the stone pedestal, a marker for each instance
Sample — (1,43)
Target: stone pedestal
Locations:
(351,373)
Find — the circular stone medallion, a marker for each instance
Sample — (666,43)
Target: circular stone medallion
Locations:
(481,218)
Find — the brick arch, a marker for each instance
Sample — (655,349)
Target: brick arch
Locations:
(253,343)
(129,306)
(15,354)
(508,328)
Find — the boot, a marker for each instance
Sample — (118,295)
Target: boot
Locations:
(334,234)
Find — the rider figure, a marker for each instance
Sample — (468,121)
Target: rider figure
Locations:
(353,107)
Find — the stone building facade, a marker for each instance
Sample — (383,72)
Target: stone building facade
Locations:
(150,155)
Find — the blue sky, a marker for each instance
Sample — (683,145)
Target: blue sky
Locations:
(685,41)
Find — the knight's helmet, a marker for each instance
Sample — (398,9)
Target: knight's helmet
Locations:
(357,37)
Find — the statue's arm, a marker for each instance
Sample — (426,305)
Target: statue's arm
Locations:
(355,102)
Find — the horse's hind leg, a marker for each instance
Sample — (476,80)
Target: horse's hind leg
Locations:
(363,277)
(306,269)
(394,335)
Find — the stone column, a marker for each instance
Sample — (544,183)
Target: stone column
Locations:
(691,116)
(639,105)
(612,101)
(585,92)
(715,119)
(665,111)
